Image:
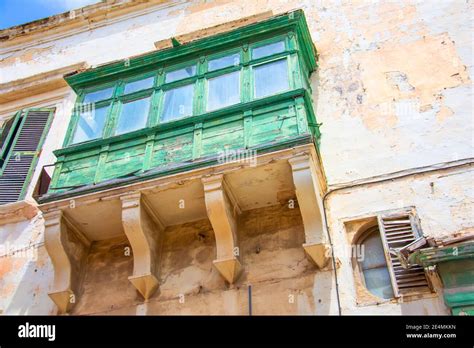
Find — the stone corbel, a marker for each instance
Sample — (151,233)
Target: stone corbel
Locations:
(222,210)
(67,247)
(144,231)
(307,192)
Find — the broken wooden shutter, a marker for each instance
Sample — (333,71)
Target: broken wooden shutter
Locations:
(397,231)
(23,155)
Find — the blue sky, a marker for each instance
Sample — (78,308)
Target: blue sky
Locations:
(14,12)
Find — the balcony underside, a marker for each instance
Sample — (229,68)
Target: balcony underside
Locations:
(179,198)
(141,211)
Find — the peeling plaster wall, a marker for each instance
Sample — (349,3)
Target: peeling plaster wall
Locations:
(282,278)
(393,91)
(445,208)
(26,276)
(394,84)
(394,79)
(25,269)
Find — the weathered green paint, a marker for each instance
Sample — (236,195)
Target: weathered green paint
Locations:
(458,281)
(197,142)
(279,120)
(170,170)
(14,136)
(148,152)
(455,266)
(294,22)
(247,128)
(432,256)
(8,138)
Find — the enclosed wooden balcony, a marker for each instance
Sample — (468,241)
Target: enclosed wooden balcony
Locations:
(203,130)
(188,107)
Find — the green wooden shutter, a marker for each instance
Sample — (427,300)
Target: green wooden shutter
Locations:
(397,231)
(24,152)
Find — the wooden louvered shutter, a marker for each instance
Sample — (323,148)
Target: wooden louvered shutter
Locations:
(397,231)
(19,165)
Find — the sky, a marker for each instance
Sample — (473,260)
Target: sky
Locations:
(15,12)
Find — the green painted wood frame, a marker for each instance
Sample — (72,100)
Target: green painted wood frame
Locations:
(4,151)
(22,119)
(301,61)
(290,28)
(32,169)
(456,268)
(199,81)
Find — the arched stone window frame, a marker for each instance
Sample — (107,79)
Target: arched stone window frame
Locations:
(362,236)
(356,227)
(357,232)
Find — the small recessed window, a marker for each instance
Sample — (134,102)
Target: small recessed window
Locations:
(99,95)
(91,124)
(224,62)
(373,264)
(133,116)
(139,85)
(271,78)
(268,50)
(181,74)
(224,90)
(178,103)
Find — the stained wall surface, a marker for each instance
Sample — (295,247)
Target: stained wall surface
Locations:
(393,93)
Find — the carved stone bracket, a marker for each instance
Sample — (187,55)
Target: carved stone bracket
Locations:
(222,209)
(67,248)
(144,231)
(308,193)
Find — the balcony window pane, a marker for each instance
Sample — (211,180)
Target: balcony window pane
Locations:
(271,78)
(91,124)
(96,96)
(139,85)
(224,62)
(133,116)
(223,91)
(178,103)
(268,50)
(181,74)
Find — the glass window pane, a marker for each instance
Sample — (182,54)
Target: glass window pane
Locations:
(133,116)
(91,124)
(139,85)
(178,103)
(181,74)
(268,50)
(96,96)
(374,266)
(223,91)
(373,252)
(224,62)
(377,281)
(271,78)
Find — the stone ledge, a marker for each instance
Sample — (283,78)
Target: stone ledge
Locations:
(17,211)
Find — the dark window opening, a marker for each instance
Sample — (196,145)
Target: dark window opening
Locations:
(11,126)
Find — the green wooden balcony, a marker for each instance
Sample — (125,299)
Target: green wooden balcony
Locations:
(259,101)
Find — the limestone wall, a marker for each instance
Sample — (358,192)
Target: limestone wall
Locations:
(393,92)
